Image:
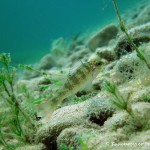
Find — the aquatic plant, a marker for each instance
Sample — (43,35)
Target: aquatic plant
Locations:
(77,100)
(18,119)
(145,98)
(65,147)
(2,139)
(123,28)
(119,101)
(85,138)
(84,143)
(30,68)
(123,104)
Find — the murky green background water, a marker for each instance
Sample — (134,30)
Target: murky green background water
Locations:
(27,27)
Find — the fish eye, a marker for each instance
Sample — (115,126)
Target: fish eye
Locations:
(98,63)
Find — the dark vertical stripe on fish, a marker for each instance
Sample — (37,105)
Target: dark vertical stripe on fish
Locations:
(81,74)
(76,79)
(68,85)
(87,67)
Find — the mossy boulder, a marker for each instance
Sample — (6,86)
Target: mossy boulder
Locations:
(103,37)
(47,62)
(139,34)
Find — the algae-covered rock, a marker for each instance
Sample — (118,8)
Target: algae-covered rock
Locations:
(106,53)
(141,111)
(75,115)
(141,95)
(103,37)
(139,34)
(81,138)
(99,110)
(77,137)
(61,119)
(105,141)
(143,138)
(117,121)
(32,147)
(79,55)
(130,67)
(47,62)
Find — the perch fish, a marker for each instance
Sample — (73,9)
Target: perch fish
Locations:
(77,79)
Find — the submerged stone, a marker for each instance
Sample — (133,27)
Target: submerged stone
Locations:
(103,37)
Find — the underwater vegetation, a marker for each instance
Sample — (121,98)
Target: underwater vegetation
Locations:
(18,117)
(101,102)
(121,103)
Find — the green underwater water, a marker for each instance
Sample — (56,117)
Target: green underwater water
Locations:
(27,28)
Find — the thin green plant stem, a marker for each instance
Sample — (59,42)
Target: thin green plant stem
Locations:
(18,125)
(123,28)
(120,102)
(11,102)
(16,104)
(26,116)
(4,142)
(30,68)
(6,90)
